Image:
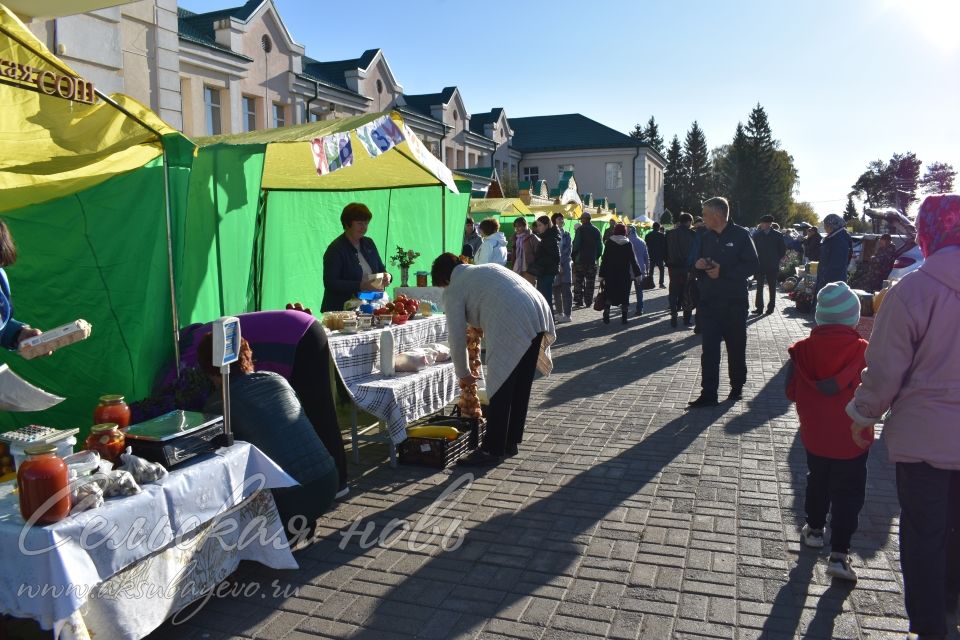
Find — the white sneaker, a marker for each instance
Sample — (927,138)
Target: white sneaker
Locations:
(561,318)
(342,493)
(811,537)
(838,566)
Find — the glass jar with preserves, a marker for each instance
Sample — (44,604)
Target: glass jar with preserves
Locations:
(107,440)
(421,278)
(112,408)
(43,485)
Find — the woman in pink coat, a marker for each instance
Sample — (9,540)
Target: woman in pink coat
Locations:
(913,369)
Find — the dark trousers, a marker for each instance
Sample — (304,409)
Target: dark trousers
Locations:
(545,287)
(562,297)
(507,413)
(722,323)
(837,487)
(678,282)
(659,265)
(584,279)
(311,382)
(638,287)
(929,543)
(770,278)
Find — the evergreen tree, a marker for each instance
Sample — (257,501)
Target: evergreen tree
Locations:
(639,133)
(674,181)
(696,169)
(850,213)
(651,135)
(734,174)
(938,178)
(890,184)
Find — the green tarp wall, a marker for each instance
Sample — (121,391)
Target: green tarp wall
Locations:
(100,255)
(235,235)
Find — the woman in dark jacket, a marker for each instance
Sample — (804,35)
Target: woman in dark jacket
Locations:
(546,261)
(834,252)
(618,270)
(351,260)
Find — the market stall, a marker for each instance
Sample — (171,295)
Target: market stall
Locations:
(90,183)
(174,540)
(260,213)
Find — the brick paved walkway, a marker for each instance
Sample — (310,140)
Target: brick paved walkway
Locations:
(624,516)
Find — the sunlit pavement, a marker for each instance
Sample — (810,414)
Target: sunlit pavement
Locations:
(623,516)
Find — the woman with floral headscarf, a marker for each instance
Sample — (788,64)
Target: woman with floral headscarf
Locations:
(834,252)
(913,369)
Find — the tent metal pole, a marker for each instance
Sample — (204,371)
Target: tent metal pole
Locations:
(443,219)
(173,290)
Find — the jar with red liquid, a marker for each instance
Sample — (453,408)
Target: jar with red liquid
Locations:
(107,440)
(421,278)
(112,408)
(43,485)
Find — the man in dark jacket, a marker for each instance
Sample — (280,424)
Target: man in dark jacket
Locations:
(471,237)
(679,243)
(726,258)
(546,261)
(587,247)
(657,247)
(770,250)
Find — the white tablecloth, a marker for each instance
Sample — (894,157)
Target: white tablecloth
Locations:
(48,573)
(406,397)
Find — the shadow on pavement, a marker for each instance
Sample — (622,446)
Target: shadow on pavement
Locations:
(449,592)
(785,619)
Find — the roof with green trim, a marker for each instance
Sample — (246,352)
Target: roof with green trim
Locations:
(198,27)
(334,72)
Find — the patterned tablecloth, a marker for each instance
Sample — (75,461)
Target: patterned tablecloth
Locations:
(88,574)
(406,397)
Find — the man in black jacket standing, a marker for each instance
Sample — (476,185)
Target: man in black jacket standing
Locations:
(679,241)
(657,248)
(771,248)
(587,247)
(725,259)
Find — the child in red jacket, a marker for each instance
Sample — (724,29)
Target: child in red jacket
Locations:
(823,373)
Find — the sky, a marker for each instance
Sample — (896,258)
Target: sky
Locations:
(843,82)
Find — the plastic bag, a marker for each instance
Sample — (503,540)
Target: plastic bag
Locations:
(86,493)
(414,360)
(441,351)
(143,471)
(120,483)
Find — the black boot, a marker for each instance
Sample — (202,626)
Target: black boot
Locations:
(673,318)
(624,314)
(606,315)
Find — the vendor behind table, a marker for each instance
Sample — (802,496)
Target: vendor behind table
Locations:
(352,263)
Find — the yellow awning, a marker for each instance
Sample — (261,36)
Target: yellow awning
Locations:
(50,146)
(288,162)
(56,8)
(500,206)
(570,210)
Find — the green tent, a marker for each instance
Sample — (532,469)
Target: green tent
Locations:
(259,218)
(84,194)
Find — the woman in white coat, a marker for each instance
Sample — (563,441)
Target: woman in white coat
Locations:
(493,249)
(518,330)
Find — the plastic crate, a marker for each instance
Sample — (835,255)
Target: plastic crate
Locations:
(433,452)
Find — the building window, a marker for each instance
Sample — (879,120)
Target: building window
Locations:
(531,174)
(562,169)
(249,113)
(211,103)
(279,117)
(614,175)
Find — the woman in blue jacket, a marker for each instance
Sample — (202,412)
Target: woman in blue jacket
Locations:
(351,260)
(834,252)
(11,331)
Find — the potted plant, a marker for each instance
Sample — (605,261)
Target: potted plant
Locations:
(404,258)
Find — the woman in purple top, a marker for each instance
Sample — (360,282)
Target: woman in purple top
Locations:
(293,344)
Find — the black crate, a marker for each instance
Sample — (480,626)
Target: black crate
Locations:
(476,427)
(433,452)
